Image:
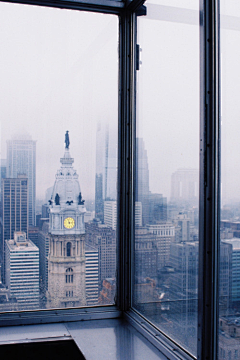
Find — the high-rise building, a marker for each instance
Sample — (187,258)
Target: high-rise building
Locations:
(110,214)
(22,270)
(43,244)
(142,179)
(104,239)
(157,208)
(185,186)
(106,168)
(234,289)
(3,172)
(14,207)
(92,275)
(182,227)
(165,235)
(21,159)
(66,259)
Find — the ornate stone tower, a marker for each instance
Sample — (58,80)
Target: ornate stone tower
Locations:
(66,260)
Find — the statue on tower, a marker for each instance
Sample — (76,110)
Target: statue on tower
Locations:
(67,141)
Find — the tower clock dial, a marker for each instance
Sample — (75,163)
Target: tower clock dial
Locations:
(69,223)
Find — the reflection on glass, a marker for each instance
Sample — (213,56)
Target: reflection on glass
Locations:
(167,185)
(229,287)
(59,92)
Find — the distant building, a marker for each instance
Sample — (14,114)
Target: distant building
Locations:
(157,208)
(45,211)
(182,227)
(22,270)
(33,232)
(43,244)
(106,168)
(146,255)
(234,290)
(184,280)
(92,275)
(142,179)
(110,214)
(104,239)
(138,213)
(21,159)
(14,208)
(185,186)
(164,235)
(3,172)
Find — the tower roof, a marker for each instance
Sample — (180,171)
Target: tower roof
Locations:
(66,190)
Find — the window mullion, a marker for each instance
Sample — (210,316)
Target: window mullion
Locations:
(209,181)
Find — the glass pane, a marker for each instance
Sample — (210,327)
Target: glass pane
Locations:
(229,290)
(167,181)
(59,116)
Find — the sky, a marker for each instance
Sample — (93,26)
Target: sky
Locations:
(59,71)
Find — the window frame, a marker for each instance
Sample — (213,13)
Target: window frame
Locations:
(209,204)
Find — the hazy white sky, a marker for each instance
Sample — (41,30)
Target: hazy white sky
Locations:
(59,71)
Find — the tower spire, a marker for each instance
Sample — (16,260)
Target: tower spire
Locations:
(67,140)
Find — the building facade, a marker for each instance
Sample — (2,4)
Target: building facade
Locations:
(22,270)
(66,259)
(21,159)
(14,208)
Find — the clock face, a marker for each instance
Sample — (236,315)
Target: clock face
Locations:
(69,223)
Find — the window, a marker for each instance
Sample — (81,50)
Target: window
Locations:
(177,287)
(69,276)
(69,249)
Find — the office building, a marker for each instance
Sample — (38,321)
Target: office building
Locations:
(104,239)
(185,186)
(66,258)
(22,270)
(43,244)
(92,275)
(106,167)
(14,207)
(234,289)
(157,208)
(164,235)
(110,214)
(21,159)
(142,179)
(182,227)
(3,172)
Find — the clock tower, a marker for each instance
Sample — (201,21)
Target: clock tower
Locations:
(66,259)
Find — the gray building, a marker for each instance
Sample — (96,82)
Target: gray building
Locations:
(92,275)
(14,208)
(22,270)
(142,179)
(106,167)
(21,159)
(104,239)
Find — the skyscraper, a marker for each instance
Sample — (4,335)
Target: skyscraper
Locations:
(185,186)
(22,270)
(66,259)
(14,207)
(106,168)
(21,159)
(142,179)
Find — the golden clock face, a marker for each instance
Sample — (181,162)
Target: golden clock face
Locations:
(69,223)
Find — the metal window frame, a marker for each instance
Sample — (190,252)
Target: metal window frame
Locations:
(209,205)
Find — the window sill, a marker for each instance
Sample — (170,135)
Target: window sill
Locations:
(111,339)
